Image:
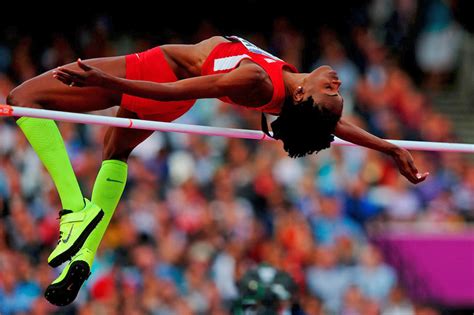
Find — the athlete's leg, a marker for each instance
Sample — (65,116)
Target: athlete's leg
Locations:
(46,92)
(43,91)
(108,188)
(110,181)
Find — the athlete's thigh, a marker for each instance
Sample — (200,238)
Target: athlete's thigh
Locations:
(120,142)
(49,93)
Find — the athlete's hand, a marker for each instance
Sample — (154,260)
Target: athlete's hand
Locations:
(88,77)
(406,166)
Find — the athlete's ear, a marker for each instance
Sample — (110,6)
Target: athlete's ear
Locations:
(298,94)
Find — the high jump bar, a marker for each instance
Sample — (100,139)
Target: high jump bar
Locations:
(7,110)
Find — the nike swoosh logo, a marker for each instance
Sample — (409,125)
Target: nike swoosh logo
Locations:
(68,236)
(69,288)
(113,180)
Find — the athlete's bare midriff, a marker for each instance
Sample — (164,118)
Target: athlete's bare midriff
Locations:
(187,60)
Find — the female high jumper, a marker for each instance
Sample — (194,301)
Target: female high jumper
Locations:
(162,84)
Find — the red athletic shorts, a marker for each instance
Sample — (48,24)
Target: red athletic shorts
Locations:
(151,65)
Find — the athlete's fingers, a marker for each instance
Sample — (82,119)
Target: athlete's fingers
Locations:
(62,78)
(62,75)
(409,171)
(412,166)
(68,80)
(412,172)
(82,65)
(418,177)
(77,84)
(411,177)
(422,177)
(72,73)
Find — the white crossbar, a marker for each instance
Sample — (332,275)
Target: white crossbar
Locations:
(6,110)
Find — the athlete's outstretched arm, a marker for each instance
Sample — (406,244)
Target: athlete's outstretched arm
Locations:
(349,132)
(244,79)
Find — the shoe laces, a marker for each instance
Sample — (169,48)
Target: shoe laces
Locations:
(61,213)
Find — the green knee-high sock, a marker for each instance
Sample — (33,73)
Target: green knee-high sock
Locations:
(108,189)
(46,140)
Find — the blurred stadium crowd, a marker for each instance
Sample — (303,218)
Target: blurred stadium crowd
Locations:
(199,211)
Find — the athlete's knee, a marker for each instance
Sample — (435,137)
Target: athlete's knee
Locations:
(113,152)
(12,98)
(22,97)
(115,155)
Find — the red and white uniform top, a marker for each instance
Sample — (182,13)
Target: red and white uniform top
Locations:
(225,57)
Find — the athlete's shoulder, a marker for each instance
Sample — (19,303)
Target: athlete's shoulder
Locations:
(252,71)
(212,41)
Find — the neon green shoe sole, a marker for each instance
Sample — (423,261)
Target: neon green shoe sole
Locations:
(75,228)
(64,289)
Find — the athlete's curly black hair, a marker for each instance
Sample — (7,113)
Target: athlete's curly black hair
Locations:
(305,128)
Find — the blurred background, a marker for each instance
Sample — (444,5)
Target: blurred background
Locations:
(199,212)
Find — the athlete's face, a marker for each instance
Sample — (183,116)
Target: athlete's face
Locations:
(323,86)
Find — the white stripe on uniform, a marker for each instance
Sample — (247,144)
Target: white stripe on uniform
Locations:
(228,62)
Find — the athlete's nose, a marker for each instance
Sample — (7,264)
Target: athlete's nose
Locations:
(336,83)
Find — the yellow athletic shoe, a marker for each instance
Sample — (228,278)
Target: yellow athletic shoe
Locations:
(64,289)
(74,229)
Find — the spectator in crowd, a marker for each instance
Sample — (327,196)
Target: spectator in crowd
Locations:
(374,278)
(331,223)
(397,303)
(438,44)
(328,280)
